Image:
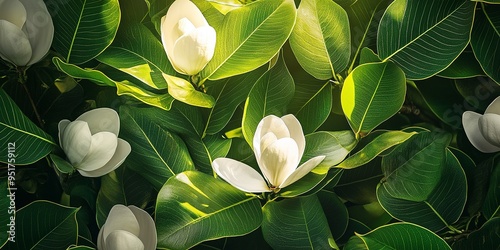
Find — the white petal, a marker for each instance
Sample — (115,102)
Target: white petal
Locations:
(39,28)
(102,149)
(240,175)
(101,119)
(494,107)
(279,160)
(302,170)
(14,44)
(100,239)
(13,11)
(147,235)
(268,124)
(193,51)
(61,127)
(169,31)
(120,217)
(122,151)
(470,121)
(123,240)
(296,132)
(489,125)
(76,141)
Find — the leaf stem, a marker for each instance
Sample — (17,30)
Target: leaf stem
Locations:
(453,229)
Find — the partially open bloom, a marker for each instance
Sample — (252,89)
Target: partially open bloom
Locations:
(187,38)
(127,228)
(278,145)
(91,142)
(26,31)
(483,131)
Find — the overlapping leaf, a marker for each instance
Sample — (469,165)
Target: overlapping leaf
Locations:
(204,151)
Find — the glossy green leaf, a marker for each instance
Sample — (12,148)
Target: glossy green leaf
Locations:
(193,207)
(334,145)
(335,212)
(372,214)
(121,186)
(465,66)
(270,95)
(243,42)
(359,185)
(157,154)
(7,210)
(397,236)
(321,38)
(485,39)
(442,207)
(204,151)
(184,91)
(62,165)
(24,142)
(487,237)
(229,94)
(45,225)
(367,55)
(298,223)
(424,37)
(83,29)
(374,148)
(413,169)
(371,94)
(312,105)
(125,87)
(137,52)
(491,206)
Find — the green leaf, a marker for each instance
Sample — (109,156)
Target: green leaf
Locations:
(163,153)
(62,165)
(193,207)
(137,52)
(163,101)
(485,39)
(270,95)
(371,214)
(83,29)
(442,207)
(367,55)
(488,1)
(24,142)
(121,186)
(335,212)
(243,42)
(80,248)
(424,37)
(185,92)
(359,185)
(45,225)
(204,151)
(486,237)
(229,94)
(465,66)
(491,206)
(413,169)
(312,105)
(374,148)
(397,236)
(334,145)
(298,223)
(321,38)
(371,94)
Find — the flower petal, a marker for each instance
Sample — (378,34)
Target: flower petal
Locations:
(240,175)
(279,160)
(13,11)
(296,132)
(122,151)
(14,44)
(193,51)
(101,119)
(301,171)
(39,28)
(76,141)
(494,107)
(120,217)
(147,235)
(268,124)
(470,121)
(61,127)
(120,240)
(102,149)
(489,125)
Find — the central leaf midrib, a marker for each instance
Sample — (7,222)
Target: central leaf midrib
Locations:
(76,30)
(371,99)
(28,133)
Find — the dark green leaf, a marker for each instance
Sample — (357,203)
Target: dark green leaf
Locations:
(204,151)
(62,165)
(465,66)
(487,237)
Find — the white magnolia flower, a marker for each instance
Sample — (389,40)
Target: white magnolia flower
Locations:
(278,145)
(127,228)
(91,142)
(26,31)
(483,131)
(187,38)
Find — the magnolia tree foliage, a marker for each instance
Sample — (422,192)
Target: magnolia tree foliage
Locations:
(262,124)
